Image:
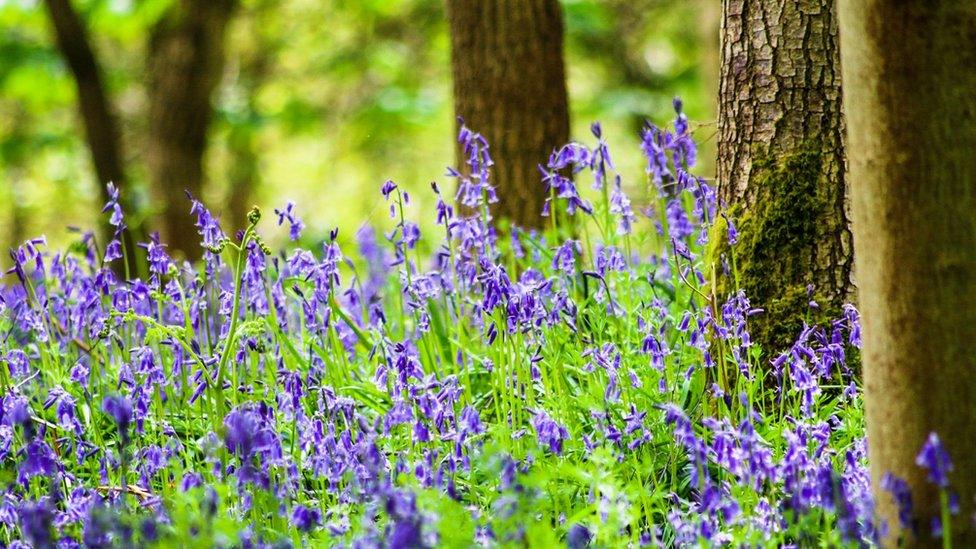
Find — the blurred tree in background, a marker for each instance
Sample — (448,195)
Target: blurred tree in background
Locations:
(100,123)
(510,86)
(318,101)
(185,63)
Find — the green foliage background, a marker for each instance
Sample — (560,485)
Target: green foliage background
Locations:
(321,101)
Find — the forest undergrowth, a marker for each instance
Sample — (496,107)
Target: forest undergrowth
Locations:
(582,385)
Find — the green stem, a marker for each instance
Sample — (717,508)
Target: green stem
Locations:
(234,320)
(946,517)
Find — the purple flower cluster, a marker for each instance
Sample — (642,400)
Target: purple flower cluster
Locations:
(295,225)
(476,387)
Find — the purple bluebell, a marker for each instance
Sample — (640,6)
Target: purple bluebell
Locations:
(119,408)
(549,433)
(578,537)
(38,460)
(474,187)
(564,260)
(620,206)
(35,522)
(470,421)
(306,518)
(295,225)
(113,251)
(935,459)
(574,157)
(902,495)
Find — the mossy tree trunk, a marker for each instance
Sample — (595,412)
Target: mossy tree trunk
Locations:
(186,55)
(510,85)
(781,165)
(911,73)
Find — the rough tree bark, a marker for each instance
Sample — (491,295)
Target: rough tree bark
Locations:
(100,125)
(186,55)
(510,85)
(781,166)
(911,71)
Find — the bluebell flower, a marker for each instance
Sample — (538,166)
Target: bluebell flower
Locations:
(35,523)
(679,226)
(445,212)
(406,534)
(211,501)
(578,537)
(295,225)
(113,251)
(652,144)
(190,480)
(564,260)
(574,157)
(305,518)
(119,408)
(65,410)
(39,460)
(685,150)
(470,421)
(902,495)
(247,436)
(620,206)
(149,529)
(600,158)
(159,260)
(732,233)
(935,458)
(474,187)
(208,227)
(550,433)
(117,218)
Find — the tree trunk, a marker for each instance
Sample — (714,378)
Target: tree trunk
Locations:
(510,85)
(101,128)
(243,175)
(911,69)
(253,63)
(710,59)
(185,62)
(781,164)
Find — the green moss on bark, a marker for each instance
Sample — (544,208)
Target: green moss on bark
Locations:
(775,255)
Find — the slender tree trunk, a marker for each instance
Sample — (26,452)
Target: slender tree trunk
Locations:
(13,163)
(781,164)
(101,127)
(510,85)
(243,139)
(623,42)
(243,174)
(911,69)
(185,60)
(710,36)
(18,217)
